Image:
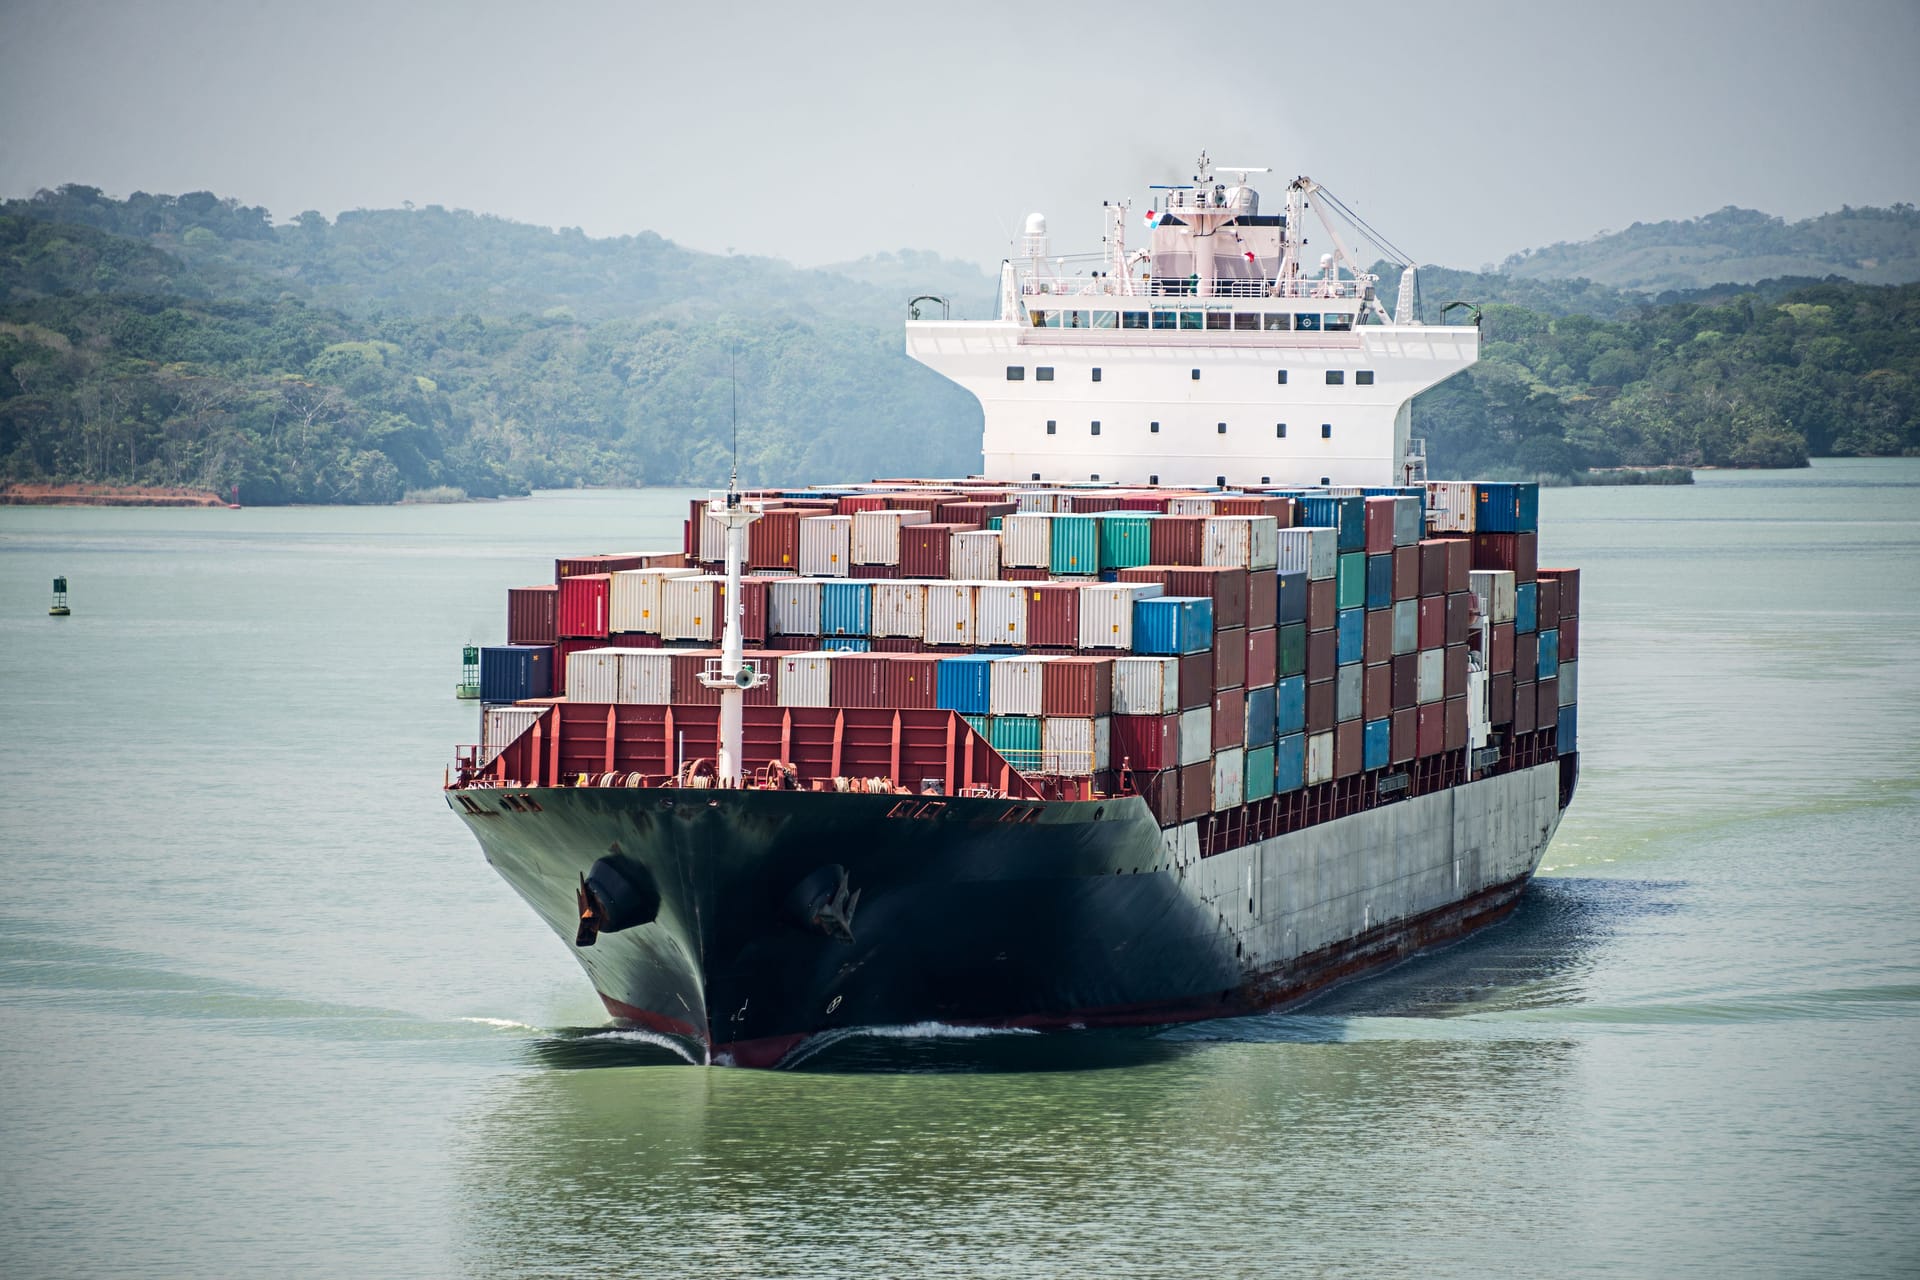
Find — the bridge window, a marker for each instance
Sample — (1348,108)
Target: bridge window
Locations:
(1219,319)
(1043,374)
(1339,320)
(1094,476)
(1051,426)
(1133,319)
(1335,377)
(1166,320)
(1096,376)
(1280,320)
(1307,321)
(1051,319)
(1016,373)
(1246,320)
(1102,319)
(1363,378)
(1193,320)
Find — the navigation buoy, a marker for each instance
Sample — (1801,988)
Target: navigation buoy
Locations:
(469,686)
(59,608)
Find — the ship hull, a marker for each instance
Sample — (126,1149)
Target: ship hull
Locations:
(996,913)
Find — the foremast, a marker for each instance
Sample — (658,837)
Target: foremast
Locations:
(731,673)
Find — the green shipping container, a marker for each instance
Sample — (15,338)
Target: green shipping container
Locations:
(1351,592)
(1123,541)
(980,725)
(1017,739)
(1259,773)
(1292,652)
(1076,545)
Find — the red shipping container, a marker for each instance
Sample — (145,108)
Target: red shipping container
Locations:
(1379,635)
(1406,572)
(1501,660)
(1402,736)
(1569,639)
(904,644)
(1010,573)
(1516,552)
(583,605)
(925,550)
(1281,509)
(1196,681)
(1161,791)
(561,650)
(753,598)
(1433,621)
(1053,614)
(1349,748)
(1433,566)
(1196,791)
(1459,555)
(1155,573)
(927,502)
(873,571)
(857,680)
(1547,703)
(1145,743)
(533,615)
(1526,656)
(1380,517)
(773,541)
(1229,719)
(1321,701)
(1077,686)
(1263,655)
(976,514)
(1230,658)
(688,691)
(1406,679)
(1569,580)
(861,502)
(1500,698)
(643,640)
(1143,502)
(1546,606)
(1323,654)
(1456,671)
(1225,586)
(911,681)
(1456,723)
(1459,617)
(573,566)
(1263,598)
(1376,692)
(1177,540)
(1525,703)
(1092,504)
(1323,600)
(1430,732)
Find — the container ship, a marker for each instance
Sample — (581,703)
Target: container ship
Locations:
(1200,699)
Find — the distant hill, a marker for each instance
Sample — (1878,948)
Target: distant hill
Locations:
(1738,246)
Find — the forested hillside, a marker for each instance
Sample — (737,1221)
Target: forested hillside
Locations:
(190,341)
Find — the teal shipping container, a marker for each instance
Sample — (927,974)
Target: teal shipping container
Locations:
(1526,607)
(1076,546)
(1259,773)
(1290,706)
(1290,763)
(1350,581)
(1549,666)
(1375,745)
(1567,740)
(846,644)
(1169,625)
(1017,739)
(846,608)
(1350,625)
(1124,541)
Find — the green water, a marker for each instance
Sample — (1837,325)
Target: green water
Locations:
(264,1009)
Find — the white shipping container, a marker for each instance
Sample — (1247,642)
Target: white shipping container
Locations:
(1348,691)
(1241,542)
(1000,613)
(1044,500)
(593,675)
(974,557)
(633,598)
(1013,687)
(689,607)
(1406,626)
(1493,590)
(1075,746)
(500,726)
(1312,551)
(900,608)
(1229,777)
(1196,734)
(876,534)
(1568,682)
(1432,675)
(1449,506)
(1479,720)
(804,680)
(1190,506)
(793,608)
(1106,612)
(1408,524)
(1026,541)
(1319,758)
(646,676)
(712,543)
(826,546)
(950,612)
(1146,686)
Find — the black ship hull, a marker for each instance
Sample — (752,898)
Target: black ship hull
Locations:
(740,935)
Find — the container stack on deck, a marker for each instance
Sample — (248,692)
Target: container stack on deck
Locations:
(1208,650)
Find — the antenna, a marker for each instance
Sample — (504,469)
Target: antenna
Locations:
(733,391)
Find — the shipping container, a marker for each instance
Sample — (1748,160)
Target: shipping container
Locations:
(1313,552)
(846,608)
(1259,773)
(1190,504)
(1074,546)
(1454,725)
(1379,526)
(1229,718)
(1178,539)
(501,726)
(583,606)
(1125,541)
(1433,675)
(1376,692)
(594,676)
(1518,552)
(1026,541)
(965,684)
(1348,515)
(773,541)
(1569,639)
(1349,688)
(1568,683)
(803,680)
(1017,739)
(974,557)
(1000,614)
(1569,580)
(1403,740)
(1450,506)
(1493,590)
(1229,777)
(1525,705)
(826,546)
(1263,599)
(1546,702)
(1322,698)
(1567,738)
(1506,508)
(1430,730)
(1196,790)
(1172,625)
(1289,763)
(1323,654)
(1379,636)
(1406,626)
(511,673)
(1225,586)
(1260,717)
(689,607)
(1075,685)
(1548,662)
(1501,639)
(1406,679)
(1053,614)
(1015,686)
(1456,666)
(1323,604)
(1263,658)
(1546,606)
(1196,734)
(1290,705)
(1379,588)
(613,562)
(1409,519)
(1406,573)
(876,534)
(1350,631)
(1145,743)
(1244,542)
(926,550)
(1106,613)
(1433,567)
(1523,607)
(949,613)
(1376,744)
(1075,746)
(533,615)
(633,599)
(1146,686)
(1229,658)
(1319,758)
(1350,582)
(846,644)
(1459,617)
(1291,658)
(1196,680)
(1500,698)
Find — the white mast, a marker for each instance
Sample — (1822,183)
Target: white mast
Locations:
(730,673)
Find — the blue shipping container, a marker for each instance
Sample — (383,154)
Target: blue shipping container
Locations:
(961,684)
(1290,763)
(846,608)
(1376,736)
(1291,597)
(1549,665)
(1259,719)
(1290,706)
(1352,626)
(1526,603)
(1567,738)
(1172,625)
(1259,773)
(1348,515)
(1380,582)
(510,672)
(846,644)
(1506,508)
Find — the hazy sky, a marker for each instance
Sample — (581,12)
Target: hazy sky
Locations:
(823,132)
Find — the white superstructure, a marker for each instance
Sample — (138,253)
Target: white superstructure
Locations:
(1220,354)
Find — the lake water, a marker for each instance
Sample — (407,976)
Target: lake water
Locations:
(264,1009)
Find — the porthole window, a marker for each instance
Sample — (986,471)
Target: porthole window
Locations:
(1334,376)
(1326,430)
(1016,373)
(1096,376)
(1051,426)
(1096,428)
(1363,378)
(1221,429)
(1043,374)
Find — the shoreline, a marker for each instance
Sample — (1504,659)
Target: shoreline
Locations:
(106,495)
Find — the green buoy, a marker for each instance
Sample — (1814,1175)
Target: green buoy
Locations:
(59,609)
(469,686)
